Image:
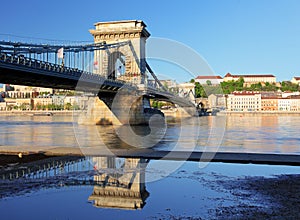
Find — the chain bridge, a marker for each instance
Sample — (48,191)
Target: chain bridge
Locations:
(114,62)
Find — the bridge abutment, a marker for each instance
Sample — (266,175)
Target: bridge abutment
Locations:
(108,111)
(98,113)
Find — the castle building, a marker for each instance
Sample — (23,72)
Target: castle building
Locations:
(251,79)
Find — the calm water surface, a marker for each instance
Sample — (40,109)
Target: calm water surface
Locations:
(71,191)
(85,188)
(272,134)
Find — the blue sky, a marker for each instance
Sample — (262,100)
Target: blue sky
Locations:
(237,36)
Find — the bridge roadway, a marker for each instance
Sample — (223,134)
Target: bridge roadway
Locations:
(224,157)
(20,70)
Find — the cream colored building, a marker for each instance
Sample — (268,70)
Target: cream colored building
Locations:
(251,79)
(42,101)
(296,80)
(28,91)
(295,104)
(244,101)
(284,104)
(3,106)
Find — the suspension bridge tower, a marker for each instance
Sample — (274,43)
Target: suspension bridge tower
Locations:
(121,62)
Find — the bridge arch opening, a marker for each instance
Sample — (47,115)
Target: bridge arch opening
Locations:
(116,65)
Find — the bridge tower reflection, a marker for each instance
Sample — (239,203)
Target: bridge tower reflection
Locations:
(120,183)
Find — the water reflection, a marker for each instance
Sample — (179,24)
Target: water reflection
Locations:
(245,133)
(262,133)
(120,183)
(117,182)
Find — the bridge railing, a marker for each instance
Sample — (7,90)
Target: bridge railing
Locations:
(47,66)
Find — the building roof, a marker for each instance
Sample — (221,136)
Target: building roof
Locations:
(209,77)
(297,78)
(270,97)
(249,75)
(245,93)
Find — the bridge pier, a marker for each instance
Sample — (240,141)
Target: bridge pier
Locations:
(97,113)
(120,111)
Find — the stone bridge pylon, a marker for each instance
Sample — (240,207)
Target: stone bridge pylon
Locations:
(126,62)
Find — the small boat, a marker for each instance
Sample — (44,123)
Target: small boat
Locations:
(43,114)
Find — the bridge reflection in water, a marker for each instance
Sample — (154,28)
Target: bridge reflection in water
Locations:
(123,183)
(117,182)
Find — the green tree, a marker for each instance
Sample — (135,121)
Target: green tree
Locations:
(68,106)
(208,82)
(199,90)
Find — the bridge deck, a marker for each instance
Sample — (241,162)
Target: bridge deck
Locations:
(225,157)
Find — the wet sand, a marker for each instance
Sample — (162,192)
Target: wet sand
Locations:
(263,198)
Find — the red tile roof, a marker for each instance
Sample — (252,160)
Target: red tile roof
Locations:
(258,75)
(270,97)
(209,77)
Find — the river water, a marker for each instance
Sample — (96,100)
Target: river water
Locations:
(90,187)
(265,134)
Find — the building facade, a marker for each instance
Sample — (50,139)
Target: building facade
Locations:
(269,104)
(251,79)
(244,101)
(296,80)
(214,80)
(262,101)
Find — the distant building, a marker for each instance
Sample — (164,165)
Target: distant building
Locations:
(58,100)
(251,79)
(246,101)
(217,101)
(269,103)
(284,104)
(288,94)
(296,80)
(41,102)
(263,101)
(27,91)
(3,106)
(214,80)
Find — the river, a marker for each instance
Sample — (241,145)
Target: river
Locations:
(135,188)
(264,134)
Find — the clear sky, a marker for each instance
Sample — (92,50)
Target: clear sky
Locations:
(237,36)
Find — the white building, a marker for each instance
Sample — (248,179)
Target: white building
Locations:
(287,94)
(284,104)
(296,80)
(244,101)
(214,80)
